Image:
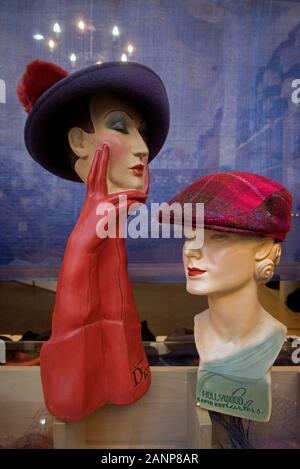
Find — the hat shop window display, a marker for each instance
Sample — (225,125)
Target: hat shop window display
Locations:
(246,216)
(101,125)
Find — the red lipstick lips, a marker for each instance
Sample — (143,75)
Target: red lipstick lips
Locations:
(138,169)
(194,272)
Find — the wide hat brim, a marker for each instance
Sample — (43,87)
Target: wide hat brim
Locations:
(131,80)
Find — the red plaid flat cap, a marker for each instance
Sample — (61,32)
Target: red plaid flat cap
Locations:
(242,203)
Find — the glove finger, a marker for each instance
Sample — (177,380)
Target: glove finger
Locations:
(98,173)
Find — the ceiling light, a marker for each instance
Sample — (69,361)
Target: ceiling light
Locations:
(38,37)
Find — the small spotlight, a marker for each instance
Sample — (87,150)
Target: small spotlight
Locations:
(124,58)
(42,421)
(99,62)
(73,58)
(130,48)
(56,28)
(115,31)
(81,25)
(38,37)
(51,44)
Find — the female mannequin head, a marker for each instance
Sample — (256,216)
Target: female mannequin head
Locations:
(227,261)
(245,217)
(70,118)
(118,123)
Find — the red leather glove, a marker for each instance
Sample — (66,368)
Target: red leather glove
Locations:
(95,354)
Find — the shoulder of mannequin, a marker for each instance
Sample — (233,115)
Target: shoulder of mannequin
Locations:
(271,325)
(272,320)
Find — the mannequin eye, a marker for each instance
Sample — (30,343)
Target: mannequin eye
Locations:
(120,127)
(219,236)
(118,123)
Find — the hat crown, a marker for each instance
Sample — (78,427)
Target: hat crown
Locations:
(241,202)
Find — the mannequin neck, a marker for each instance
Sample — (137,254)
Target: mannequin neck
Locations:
(233,315)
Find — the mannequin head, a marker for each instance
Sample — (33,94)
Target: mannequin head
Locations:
(58,102)
(227,262)
(245,217)
(118,123)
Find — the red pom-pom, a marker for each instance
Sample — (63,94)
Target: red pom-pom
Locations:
(38,77)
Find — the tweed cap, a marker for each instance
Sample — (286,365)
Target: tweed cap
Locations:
(45,89)
(241,203)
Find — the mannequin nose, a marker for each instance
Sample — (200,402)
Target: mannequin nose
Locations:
(139,148)
(193,253)
(140,154)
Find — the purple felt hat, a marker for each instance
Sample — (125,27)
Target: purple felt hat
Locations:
(46,88)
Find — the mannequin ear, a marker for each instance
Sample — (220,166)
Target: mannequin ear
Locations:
(264,270)
(266,257)
(79,142)
(264,249)
(269,248)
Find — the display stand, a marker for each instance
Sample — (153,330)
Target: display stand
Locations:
(166,417)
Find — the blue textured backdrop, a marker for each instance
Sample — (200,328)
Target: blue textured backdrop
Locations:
(228,67)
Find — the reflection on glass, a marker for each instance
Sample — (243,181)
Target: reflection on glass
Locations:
(81,25)
(51,44)
(38,37)
(56,28)
(115,31)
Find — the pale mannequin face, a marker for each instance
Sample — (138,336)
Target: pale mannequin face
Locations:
(120,125)
(226,262)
